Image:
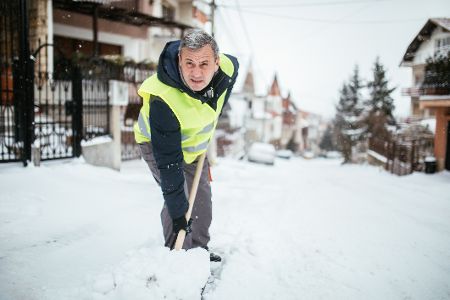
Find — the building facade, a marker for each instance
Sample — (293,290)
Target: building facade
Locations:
(430,94)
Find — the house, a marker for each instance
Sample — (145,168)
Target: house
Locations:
(264,121)
(135,29)
(233,133)
(274,108)
(127,33)
(430,94)
(302,130)
(250,118)
(258,120)
(290,124)
(310,129)
(115,44)
(255,116)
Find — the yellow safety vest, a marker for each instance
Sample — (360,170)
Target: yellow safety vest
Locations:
(197,120)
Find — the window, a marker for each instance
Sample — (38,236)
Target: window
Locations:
(168,12)
(69,46)
(442,45)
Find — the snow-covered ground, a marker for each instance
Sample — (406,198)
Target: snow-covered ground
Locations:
(303,229)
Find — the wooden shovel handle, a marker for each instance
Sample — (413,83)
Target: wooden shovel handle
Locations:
(198,172)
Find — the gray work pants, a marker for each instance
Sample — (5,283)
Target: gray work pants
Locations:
(202,210)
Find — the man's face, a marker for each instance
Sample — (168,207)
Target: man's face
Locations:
(198,67)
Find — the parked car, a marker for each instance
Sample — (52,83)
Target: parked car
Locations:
(308,154)
(333,154)
(286,154)
(262,153)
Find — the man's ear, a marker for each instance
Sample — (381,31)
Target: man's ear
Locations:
(217,64)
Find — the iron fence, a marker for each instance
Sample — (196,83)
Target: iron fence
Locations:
(95,108)
(130,113)
(48,106)
(16,77)
(134,74)
(54,106)
(403,156)
(70,105)
(112,68)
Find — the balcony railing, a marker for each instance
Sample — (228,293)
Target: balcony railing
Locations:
(412,92)
(125,11)
(426,91)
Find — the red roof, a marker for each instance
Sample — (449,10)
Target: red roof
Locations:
(275,88)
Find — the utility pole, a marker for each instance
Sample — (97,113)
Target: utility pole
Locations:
(213,9)
(212,6)
(95,47)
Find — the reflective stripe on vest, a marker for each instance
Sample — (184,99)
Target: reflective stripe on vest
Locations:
(143,127)
(205,129)
(202,147)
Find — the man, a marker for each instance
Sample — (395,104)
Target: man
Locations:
(181,105)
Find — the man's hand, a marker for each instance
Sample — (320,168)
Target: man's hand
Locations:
(181,223)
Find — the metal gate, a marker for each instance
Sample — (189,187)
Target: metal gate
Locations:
(49,107)
(16,82)
(71,104)
(57,107)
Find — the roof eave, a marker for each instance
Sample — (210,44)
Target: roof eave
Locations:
(424,33)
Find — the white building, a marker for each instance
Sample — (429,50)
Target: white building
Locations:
(274,107)
(433,39)
(137,30)
(430,95)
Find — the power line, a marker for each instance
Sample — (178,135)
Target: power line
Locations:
(244,26)
(326,26)
(227,30)
(338,21)
(247,35)
(266,5)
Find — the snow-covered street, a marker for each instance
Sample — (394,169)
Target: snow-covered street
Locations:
(303,229)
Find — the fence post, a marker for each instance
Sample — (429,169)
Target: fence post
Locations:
(24,84)
(36,155)
(116,133)
(388,155)
(77,121)
(394,150)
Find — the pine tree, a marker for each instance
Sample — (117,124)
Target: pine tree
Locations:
(349,120)
(340,124)
(380,104)
(327,142)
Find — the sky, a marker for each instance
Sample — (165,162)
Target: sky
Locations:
(313,46)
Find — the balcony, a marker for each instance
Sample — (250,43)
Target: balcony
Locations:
(428,90)
(411,92)
(126,11)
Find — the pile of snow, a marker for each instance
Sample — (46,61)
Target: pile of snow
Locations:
(430,159)
(154,273)
(96,141)
(430,124)
(377,156)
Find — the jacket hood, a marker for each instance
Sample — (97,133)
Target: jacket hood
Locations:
(168,71)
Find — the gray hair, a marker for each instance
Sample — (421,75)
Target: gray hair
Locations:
(196,39)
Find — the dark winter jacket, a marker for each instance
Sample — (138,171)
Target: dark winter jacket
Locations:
(165,128)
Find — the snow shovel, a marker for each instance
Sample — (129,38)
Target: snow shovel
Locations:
(198,171)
